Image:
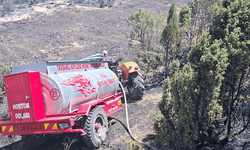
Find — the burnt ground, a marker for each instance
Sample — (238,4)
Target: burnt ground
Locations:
(61,30)
(67,31)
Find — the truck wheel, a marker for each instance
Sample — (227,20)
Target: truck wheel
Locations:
(95,127)
(135,85)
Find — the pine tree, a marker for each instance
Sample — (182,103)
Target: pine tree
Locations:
(231,25)
(185,16)
(201,17)
(207,102)
(171,34)
(184,21)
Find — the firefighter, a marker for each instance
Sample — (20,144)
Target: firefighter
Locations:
(107,57)
(111,62)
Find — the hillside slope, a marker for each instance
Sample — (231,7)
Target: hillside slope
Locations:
(64,31)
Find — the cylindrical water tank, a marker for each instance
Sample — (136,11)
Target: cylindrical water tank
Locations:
(65,92)
(67,84)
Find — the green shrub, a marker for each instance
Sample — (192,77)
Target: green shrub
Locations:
(132,144)
(4,70)
(144,36)
(149,60)
(120,56)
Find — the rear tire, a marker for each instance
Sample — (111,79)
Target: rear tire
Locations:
(135,85)
(96,127)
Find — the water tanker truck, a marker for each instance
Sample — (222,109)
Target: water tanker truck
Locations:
(66,97)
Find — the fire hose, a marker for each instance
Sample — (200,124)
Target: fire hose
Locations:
(126,108)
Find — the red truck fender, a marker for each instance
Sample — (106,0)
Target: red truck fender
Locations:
(129,67)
